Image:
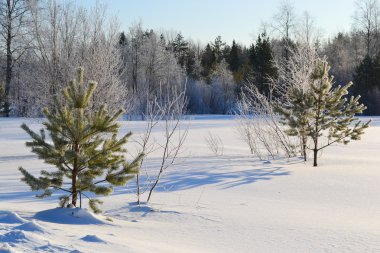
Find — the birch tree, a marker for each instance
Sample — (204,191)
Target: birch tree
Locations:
(66,36)
(14,17)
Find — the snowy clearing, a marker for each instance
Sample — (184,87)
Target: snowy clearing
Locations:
(207,203)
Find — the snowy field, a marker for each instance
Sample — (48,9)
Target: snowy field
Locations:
(230,203)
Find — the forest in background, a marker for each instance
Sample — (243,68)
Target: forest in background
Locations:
(42,42)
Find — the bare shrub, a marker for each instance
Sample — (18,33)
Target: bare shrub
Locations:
(171,105)
(215,144)
(258,126)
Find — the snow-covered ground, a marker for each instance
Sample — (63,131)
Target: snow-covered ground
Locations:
(230,203)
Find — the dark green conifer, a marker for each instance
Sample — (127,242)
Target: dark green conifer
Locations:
(262,62)
(180,48)
(84,148)
(367,83)
(234,58)
(208,62)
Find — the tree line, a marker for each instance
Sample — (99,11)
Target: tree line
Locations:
(44,41)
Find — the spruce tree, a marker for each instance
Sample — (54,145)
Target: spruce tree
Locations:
(238,62)
(180,48)
(208,62)
(84,148)
(323,111)
(262,62)
(234,58)
(366,79)
(122,39)
(218,48)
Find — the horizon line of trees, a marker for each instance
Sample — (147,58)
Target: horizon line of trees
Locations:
(43,41)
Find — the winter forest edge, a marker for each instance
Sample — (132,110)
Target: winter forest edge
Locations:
(104,113)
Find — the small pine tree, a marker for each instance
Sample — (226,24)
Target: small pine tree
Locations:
(296,115)
(84,147)
(323,110)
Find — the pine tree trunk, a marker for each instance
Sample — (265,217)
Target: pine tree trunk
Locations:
(74,190)
(315,164)
(304,148)
(315,151)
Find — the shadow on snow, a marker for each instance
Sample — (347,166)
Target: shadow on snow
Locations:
(222,172)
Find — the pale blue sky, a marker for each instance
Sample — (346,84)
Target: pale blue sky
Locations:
(203,20)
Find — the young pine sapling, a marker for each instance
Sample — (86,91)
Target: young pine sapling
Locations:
(84,148)
(323,111)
